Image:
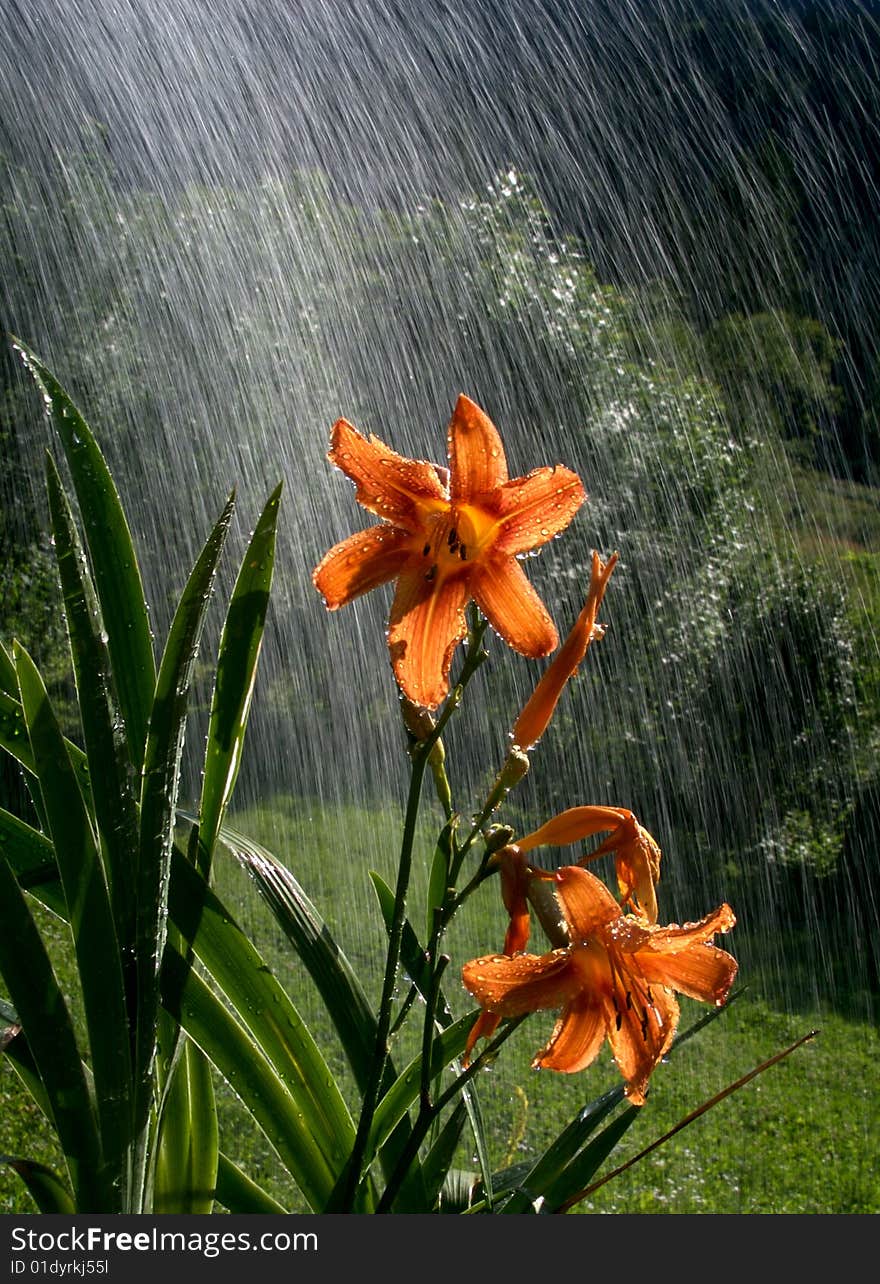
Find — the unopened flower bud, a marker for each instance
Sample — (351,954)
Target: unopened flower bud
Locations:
(496,837)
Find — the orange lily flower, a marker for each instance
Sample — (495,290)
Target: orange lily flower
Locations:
(447,538)
(613,975)
(637,855)
(538,710)
(519,882)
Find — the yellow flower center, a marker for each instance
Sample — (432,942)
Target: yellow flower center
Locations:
(455,537)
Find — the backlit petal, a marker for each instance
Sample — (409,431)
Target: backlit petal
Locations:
(514,892)
(483,1028)
(525,983)
(427,623)
(476,455)
(640,1034)
(360,563)
(586,902)
(701,972)
(513,608)
(531,510)
(637,860)
(673,939)
(397,489)
(577,1038)
(571,825)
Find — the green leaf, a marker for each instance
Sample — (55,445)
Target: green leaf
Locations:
(188,1146)
(438,877)
(334,977)
(159,798)
(580,1172)
(448,1045)
(110,771)
(240,1059)
(35,993)
(8,682)
(435,1168)
(16,1048)
(14,739)
(237,1193)
(47,1189)
(537,1179)
(117,576)
(32,858)
(91,921)
(336,980)
(236,673)
(262,1006)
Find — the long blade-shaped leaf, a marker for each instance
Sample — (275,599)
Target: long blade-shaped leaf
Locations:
(159,798)
(48,1191)
(14,739)
(535,1181)
(576,1175)
(28,974)
(337,982)
(186,1165)
(286,1047)
(91,921)
(263,1006)
(8,680)
(109,768)
(236,673)
(435,1169)
(334,976)
(112,554)
(32,858)
(405,1090)
(240,1059)
(239,1194)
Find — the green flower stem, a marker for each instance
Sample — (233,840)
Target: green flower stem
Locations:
(429,1026)
(428,1113)
(351,1176)
(343,1197)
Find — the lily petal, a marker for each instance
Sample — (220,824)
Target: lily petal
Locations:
(640,1034)
(586,902)
(703,972)
(427,623)
(674,939)
(526,983)
(514,893)
(397,489)
(515,611)
(576,1039)
(360,563)
(483,1028)
(571,825)
(532,510)
(477,464)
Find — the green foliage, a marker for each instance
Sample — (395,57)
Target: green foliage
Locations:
(776,367)
(169,990)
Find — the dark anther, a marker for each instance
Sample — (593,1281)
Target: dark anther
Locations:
(462,553)
(619,1022)
(452,538)
(629,999)
(426,550)
(429,574)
